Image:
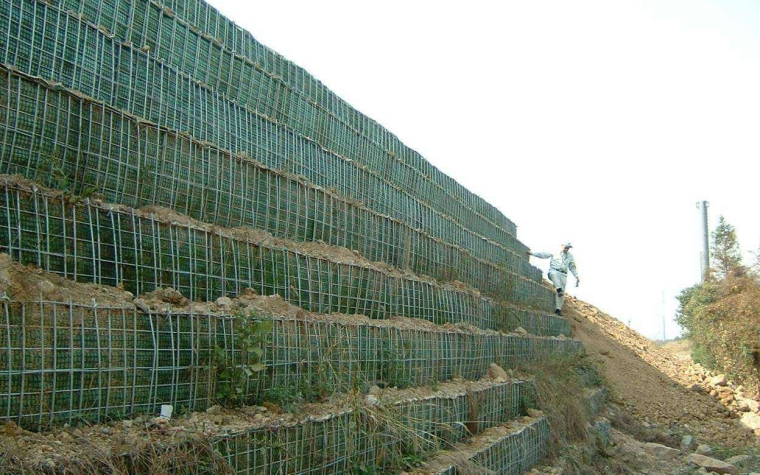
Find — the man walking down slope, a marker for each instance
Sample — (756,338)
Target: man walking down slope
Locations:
(558,268)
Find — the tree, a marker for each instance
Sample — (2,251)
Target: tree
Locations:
(727,259)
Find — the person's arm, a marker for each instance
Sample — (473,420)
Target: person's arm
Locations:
(571,266)
(541,255)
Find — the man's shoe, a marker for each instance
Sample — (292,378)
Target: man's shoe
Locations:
(558,312)
(560,292)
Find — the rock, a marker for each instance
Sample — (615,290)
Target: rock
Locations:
(739,459)
(141,305)
(742,406)
(704,449)
(710,464)
(751,420)
(46,288)
(521,331)
(214,410)
(159,422)
(535,413)
(371,400)
(687,443)
(127,424)
(169,295)
(661,451)
(719,380)
(224,302)
(495,372)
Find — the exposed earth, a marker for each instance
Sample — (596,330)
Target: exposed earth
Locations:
(660,398)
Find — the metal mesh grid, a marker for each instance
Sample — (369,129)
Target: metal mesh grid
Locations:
(137,164)
(345,442)
(95,242)
(67,361)
(212,62)
(133,162)
(55,45)
(516,453)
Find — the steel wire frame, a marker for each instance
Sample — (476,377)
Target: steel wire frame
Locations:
(193,50)
(130,159)
(91,241)
(131,80)
(512,454)
(343,442)
(64,362)
(137,164)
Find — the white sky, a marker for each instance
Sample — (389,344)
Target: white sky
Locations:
(602,122)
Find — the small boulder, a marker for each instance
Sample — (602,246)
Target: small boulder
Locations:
(704,449)
(710,464)
(46,288)
(496,373)
(720,380)
(521,331)
(661,451)
(687,443)
(224,302)
(535,413)
(751,420)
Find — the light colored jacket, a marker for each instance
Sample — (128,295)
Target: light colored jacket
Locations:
(563,263)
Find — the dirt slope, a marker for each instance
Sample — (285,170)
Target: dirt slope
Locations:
(650,383)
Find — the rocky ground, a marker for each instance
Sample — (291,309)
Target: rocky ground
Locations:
(669,415)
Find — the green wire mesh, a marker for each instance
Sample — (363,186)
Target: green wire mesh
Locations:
(236,71)
(64,362)
(90,241)
(137,164)
(85,58)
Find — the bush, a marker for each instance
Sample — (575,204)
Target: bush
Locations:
(722,319)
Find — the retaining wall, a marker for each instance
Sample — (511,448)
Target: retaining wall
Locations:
(52,44)
(89,241)
(65,362)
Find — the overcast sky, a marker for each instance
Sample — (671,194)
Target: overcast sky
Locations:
(602,122)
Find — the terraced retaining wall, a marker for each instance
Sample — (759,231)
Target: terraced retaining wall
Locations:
(135,163)
(50,43)
(89,241)
(64,361)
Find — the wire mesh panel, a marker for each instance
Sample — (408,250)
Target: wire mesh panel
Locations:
(135,163)
(64,362)
(213,62)
(95,242)
(146,87)
(370,438)
(517,452)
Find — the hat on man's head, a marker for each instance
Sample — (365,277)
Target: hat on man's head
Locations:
(568,245)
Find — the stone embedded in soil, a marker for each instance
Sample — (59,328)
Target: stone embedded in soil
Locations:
(496,373)
(719,380)
(710,464)
(661,451)
(224,302)
(704,449)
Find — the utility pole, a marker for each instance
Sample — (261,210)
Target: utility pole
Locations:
(705,253)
